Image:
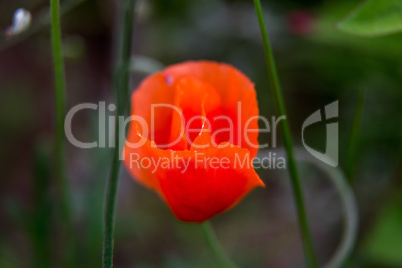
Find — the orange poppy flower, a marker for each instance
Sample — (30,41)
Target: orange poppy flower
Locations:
(193,137)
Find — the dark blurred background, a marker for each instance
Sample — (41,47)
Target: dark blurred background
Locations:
(317,65)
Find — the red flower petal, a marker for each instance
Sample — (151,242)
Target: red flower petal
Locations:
(233,87)
(155,89)
(206,189)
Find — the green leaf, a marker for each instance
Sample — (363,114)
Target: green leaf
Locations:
(373,18)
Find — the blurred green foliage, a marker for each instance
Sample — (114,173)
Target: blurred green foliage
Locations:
(384,244)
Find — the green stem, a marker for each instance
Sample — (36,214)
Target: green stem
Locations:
(60,161)
(215,247)
(287,139)
(125,60)
(354,136)
(121,81)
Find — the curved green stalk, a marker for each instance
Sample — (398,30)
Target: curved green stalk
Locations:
(348,200)
(213,243)
(121,83)
(60,165)
(287,139)
(350,213)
